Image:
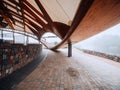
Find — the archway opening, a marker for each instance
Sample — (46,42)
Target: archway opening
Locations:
(50,40)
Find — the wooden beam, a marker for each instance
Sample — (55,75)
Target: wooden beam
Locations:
(49,20)
(28,10)
(30,16)
(46,28)
(44,44)
(19,26)
(33,30)
(32,19)
(40,32)
(14,2)
(15,14)
(22,11)
(27,3)
(7,19)
(5,11)
(26,20)
(33,24)
(30,22)
(63,28)
(16,20)
(103,14)
(81,12)
(34,15)
(8,4)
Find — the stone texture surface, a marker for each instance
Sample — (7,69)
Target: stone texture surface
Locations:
(80,72)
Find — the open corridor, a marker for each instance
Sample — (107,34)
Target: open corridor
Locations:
(79,72)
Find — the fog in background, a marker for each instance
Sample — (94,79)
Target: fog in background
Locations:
(106,42)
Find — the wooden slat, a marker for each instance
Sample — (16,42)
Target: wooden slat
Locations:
(11,5)
(35,16)
(26,20)
(33,30)
(15,14)
(33,24)
(27,3)
(7,19)
(19,26)
(46,28)
(29,15)
(14,2)
(5,11)
(18,20)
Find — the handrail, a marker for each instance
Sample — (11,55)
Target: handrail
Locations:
(15,31)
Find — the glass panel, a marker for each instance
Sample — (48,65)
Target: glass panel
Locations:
(8,36)
(19,38)
(32,41)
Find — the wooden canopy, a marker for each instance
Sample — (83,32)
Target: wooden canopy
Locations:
(80,19)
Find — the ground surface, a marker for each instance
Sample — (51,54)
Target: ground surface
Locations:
(79,72)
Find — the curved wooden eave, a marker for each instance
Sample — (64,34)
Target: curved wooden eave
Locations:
(82,10)
(102,15)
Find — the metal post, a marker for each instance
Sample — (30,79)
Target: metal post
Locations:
(27,41)
(69,49)
(13,37)
(2,34)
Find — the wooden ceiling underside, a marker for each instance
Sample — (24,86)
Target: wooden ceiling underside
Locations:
(102,15)
(22,15)
(92,17)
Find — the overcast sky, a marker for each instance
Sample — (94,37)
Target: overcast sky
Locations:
(115,30)
(107,42)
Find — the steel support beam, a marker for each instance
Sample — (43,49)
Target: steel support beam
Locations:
(69,49)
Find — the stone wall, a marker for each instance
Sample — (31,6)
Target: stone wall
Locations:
(16,56)
(111,57)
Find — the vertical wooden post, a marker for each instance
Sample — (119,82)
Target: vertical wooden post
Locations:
(69,49)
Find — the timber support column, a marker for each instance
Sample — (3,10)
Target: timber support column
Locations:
(69,49)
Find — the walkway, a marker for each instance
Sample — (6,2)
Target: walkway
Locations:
(10,82)
(80,72)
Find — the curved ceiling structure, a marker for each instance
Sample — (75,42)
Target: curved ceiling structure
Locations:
(71,20)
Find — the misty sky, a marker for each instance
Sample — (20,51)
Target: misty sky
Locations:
(107,42)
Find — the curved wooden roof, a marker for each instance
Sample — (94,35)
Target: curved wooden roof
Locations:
(71,20)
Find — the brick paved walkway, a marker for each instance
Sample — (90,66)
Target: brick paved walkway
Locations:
(80,72)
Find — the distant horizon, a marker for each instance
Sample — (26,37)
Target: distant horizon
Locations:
(106,41)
